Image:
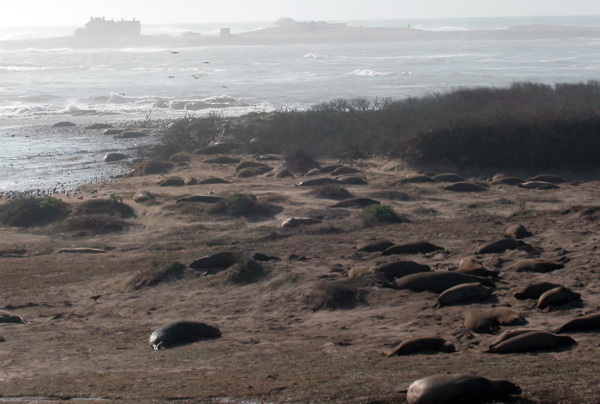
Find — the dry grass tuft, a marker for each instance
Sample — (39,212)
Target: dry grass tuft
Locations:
(156,275)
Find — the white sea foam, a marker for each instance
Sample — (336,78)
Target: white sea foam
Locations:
(369,73)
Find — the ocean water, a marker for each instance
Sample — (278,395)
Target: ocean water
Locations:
(40,87)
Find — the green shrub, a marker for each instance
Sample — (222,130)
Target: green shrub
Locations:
(111,207)
(156,275)
(245,271)
(331,191)
(33,211)
(336,295)
(93,224)
(374,215)
(191,133)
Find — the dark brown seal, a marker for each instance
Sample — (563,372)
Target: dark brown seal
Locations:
(418,247)
(535,290)
(507,181)
(416,179)
(399,269)
(180,333)
(459,388)
(553,179)
(439,281)
(537,265)
(557,297)
(506,335)
(463,292)
(8,317)
(583,323)
(537,185)
(533,341)
(465,187)
(500,245)
(356,202)
(374,245)
(315,182)
(479,321)
(506,316)
(423,345)
(448,177)
(517,231)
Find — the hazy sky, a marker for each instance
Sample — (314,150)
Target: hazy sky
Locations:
(78,12)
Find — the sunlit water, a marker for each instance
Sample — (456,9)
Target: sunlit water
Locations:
(40,87)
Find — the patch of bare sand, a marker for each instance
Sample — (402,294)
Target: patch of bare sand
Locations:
(88,330)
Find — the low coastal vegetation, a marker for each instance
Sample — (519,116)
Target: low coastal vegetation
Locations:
(33,211)
(521,126)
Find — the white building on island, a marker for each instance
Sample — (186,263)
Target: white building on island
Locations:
(102,28)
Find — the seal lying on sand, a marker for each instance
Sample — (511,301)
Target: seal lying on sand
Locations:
(399,269)
(500,245)
(423,344)
(556,297)
(459,388)
(180,333)
(535,290)
(8,317)
(537,265)
(532,342)
(412,248)
(439,281)
(461,293)
(488,321)
(584,323)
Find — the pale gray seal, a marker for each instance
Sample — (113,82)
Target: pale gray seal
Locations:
(182,332)
(459,388)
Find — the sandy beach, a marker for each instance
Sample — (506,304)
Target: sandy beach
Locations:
(88,322)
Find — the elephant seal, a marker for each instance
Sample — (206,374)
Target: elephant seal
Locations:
(506,335)
(479,321)
(359,272)
(221,160)
(553,179)
(317,182)
(448,177)
(374,246)
(352,180)
(180,333)
(517,231)
(292,222)
(461,293)
(423,345)
(584,323)
(507,181)
(537,185)
(172,182)
(557,297)
(212,180)
(399,269)
(459,388)
(416,179)
(439,281)
(418,247)
(344,170)
(356,202)
(535,290)
(8,317)
(500,245)
(200,198)
(220,260)
(537,265)
(488,321)
(506,316)
(471,266)
(465,187)
(533,341)
(251,164)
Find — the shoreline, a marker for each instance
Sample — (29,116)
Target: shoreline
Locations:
(313,33)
